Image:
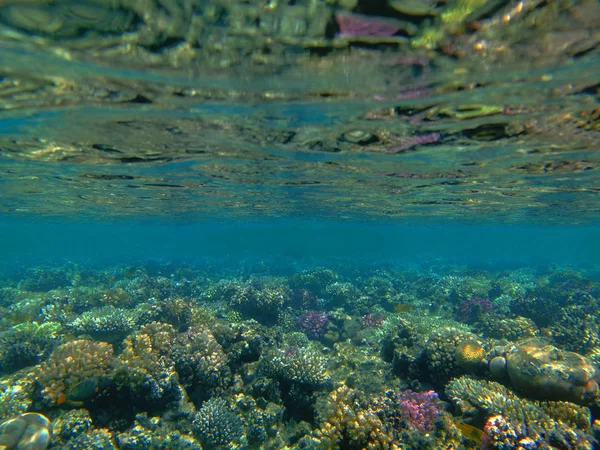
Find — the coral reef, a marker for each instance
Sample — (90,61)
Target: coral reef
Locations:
(217,425)
(313,323)
(200,360)
(510,420)
(75,372)
(514,329)
(145,369)
(544,371)
(161,357)
(298,365)
(29,431)
(108,323)
(442,349)
(474,309)
(27,344)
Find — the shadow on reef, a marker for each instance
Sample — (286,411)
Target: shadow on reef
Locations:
(191,356)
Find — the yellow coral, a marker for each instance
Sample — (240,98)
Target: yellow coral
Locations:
(470,354)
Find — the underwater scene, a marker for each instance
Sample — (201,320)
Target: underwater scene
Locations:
(299,224)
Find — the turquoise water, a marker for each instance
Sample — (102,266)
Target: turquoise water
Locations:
(299,224)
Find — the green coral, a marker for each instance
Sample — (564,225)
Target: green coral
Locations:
(296,365)
(217,424)
(315,280)
(260,298)
(106,324)
(514,329)
(27,344)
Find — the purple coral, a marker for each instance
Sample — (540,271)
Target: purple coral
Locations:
(472,309)
(372,320)
(313,323)
(419,409)
(358,25)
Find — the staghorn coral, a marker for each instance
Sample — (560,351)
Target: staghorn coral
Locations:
(578,329)
(153,433)
(315,280)
(44,279)
(372,320)
(258,298)
(313,323)
(71,424)
(542,310)
(16,394)
(217,424)
(474,309)
(505,434)
(341,294)
(93,439)
(303,299)
(75,371)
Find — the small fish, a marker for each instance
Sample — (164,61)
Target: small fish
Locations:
(403,307)
(470,432)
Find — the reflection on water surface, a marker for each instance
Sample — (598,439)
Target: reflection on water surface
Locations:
(457,109)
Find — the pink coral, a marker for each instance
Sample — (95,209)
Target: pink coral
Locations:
(472,309)
(313,323)
(419,409)
(372,320)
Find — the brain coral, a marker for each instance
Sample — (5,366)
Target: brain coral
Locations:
(544,371)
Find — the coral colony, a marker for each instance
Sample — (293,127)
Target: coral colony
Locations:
(132,361)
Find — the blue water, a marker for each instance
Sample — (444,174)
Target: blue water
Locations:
(304,240)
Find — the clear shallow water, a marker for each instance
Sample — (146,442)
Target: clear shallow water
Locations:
(299,225)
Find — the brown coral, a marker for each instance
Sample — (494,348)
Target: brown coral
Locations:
(344,420)
(546,372)
(75,371)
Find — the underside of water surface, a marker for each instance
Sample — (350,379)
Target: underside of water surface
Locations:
(469,110)
(299,224)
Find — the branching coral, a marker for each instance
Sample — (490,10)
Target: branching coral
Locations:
(75,371)
(534,420)
(200,359)
(217,424)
